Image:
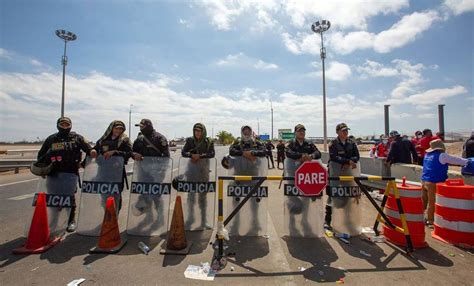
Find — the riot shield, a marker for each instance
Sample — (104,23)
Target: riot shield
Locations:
(251,220)
(345,200)
(60,189)
(150,197)
(103,178)
(196,184)
(303,216)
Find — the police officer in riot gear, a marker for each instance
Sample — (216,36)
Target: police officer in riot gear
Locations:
(280,153)
(149,143)
(64,150)
(299,150)
(343,151)
(247,148)
(114,142)
(198,148)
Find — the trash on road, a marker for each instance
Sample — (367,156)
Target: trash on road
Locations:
(200,272)
(76,282)
(365,253)
(143,247)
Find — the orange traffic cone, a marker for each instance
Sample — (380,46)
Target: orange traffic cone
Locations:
(177,243)
(109,240)
(39,239)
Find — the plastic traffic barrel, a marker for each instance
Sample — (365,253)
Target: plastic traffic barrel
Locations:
(454,213)
(412,204)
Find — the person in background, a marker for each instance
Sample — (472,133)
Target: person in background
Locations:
(401,150)
(468,147)
(425,141)
(416,142)
(280,154)
(380,150)
(435,170)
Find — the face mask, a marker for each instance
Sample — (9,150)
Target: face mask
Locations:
(418,136)
(64,131)
(384,141)
(147,130)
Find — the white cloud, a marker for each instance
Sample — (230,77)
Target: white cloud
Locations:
(426,116)
(302,43)
(459,6)
(185,23)
(4,54)
(343,14)
(94,100)
(336,71)
(223,13)
(431,96)
(375,69)
(401,33)
(241,60)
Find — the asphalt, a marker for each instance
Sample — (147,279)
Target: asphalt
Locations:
(276,259)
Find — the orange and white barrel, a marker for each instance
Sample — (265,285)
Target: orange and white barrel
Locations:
(454,213)
(411,199)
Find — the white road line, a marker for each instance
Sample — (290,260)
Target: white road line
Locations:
(22,197)
(19,182)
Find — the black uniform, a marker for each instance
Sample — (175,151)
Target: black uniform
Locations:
(256,148)
(295,150)
(402,151)
(65,149)
(280,153)
(340,152)
(468,148)
(160,149)
(269,146)
(205,151)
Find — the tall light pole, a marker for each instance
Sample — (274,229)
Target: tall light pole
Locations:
(130,121)
(66,36)
(271,107)
(320,27)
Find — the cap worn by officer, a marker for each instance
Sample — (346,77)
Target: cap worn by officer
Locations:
(300,127)
(64,120)
(119,124)
(144,122)
(394,133)
(342,126)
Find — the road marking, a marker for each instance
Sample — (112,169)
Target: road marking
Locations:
(19,182)
(22,197)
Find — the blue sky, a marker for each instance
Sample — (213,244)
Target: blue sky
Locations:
(222,62)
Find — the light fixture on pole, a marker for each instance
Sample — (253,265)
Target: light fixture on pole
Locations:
(66,36)
(320,27)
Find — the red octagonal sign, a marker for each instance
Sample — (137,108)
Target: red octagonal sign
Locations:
(311,178)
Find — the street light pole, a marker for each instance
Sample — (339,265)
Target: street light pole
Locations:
(271,107)
(66,36)
(320,27)
(130,122)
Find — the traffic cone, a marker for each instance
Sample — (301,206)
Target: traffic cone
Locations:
(177,243)
(110,240)
(39,239)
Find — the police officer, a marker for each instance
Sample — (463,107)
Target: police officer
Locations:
(149,142)
(248,149)
(198,148)
(280,153)
(64,148)
(301,149)
(344,152)
(114,142)
(298,151)
(269,146)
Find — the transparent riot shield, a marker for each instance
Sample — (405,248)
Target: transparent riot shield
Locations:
(196,184)
(103,178)
(150,197)
(251,220)
(303,216)
(345,199)
(60,189)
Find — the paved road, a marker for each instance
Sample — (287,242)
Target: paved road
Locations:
(275,260)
